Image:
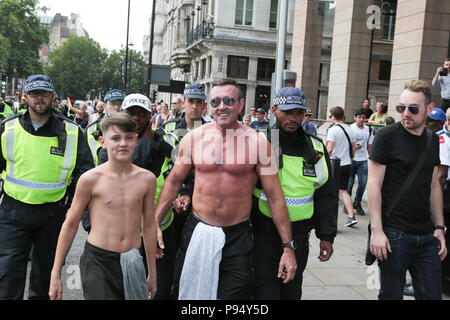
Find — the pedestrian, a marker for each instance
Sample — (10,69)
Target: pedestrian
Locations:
(111,265)
(177,109)
(363,140)
(261,123)
(217,239)
(308,126)
(253,114)
(378,117)
(442,77)
(246,121)
(162,117)
(341,145)
(38,184)
(411,238)
(99,111)
(367,111)
(305,178)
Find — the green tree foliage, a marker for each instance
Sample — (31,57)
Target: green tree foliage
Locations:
(21,36)
(76,67)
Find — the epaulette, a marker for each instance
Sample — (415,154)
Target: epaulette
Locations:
(16,115)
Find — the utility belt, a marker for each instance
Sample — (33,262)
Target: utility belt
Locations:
(58,206)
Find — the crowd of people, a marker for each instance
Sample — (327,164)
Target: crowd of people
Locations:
(175,209)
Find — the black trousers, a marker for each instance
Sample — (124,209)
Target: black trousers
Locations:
(20,231)
(266,259)
(444,104)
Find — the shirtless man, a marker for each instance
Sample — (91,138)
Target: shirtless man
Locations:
(118,194)
(218,231)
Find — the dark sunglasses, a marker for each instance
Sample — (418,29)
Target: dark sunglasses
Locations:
(412,109)
(228,101)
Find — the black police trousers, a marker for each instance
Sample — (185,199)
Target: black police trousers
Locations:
(22,232)
(266,259)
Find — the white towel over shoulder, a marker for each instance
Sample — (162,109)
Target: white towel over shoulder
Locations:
(200,275)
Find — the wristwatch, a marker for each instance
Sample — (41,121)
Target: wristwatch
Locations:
(444,228)
(291,244)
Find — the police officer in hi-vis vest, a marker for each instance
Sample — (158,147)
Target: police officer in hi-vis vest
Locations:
(43,154)
(305,177)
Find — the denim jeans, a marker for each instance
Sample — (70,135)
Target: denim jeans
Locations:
(358,168)
(417,254)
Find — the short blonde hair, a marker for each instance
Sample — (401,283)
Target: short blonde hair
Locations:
(420,86)
(448,114)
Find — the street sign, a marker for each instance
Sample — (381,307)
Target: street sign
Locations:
(174,87)
(160,74)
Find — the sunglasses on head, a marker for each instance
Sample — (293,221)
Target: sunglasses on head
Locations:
(413,109)
(228,101)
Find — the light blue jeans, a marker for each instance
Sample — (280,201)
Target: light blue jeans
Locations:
(358,168)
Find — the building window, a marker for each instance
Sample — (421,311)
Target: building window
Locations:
(244,12)
(389,12)
(273,14)
(385,70)
(265,69)
(203,70)
(237,67)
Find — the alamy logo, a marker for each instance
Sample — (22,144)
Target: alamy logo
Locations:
(374,20)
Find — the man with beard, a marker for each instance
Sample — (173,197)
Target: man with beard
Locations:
(43,156)
(411,238)
(305,177)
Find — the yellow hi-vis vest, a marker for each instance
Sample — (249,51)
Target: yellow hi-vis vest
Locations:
(94,144)
(165,169)
(8,111)
(298,187)
(36,170)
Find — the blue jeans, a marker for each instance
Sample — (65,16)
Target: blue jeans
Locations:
(358,168)
(417,254)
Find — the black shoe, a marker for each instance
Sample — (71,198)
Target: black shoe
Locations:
(359,210)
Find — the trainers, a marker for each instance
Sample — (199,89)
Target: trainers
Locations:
(359,210)
(350,222)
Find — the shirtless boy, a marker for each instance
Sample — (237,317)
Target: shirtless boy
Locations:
(118,194)
(213,261)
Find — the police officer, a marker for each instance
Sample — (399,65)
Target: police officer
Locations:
(43,156)
(305,176)
(114,99)
(6,109)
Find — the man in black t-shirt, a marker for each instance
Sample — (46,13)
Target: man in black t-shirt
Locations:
(412,237)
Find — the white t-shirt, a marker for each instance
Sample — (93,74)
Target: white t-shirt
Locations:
(341,147)
(444,150)
(363,137)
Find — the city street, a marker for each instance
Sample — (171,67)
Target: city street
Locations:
(344,277)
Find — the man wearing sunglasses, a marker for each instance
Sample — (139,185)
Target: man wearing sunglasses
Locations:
(411,238)
(43,156)
(214,259)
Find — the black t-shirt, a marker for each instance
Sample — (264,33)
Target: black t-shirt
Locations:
(399,150)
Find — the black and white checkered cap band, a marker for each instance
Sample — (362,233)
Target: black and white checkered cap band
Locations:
(38,85)
(114,95)
(195,91)
(289,100)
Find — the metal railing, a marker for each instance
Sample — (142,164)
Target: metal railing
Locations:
(202,31)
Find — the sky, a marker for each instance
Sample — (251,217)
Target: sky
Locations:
(106,20)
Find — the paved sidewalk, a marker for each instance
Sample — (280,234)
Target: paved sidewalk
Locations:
(345,276)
